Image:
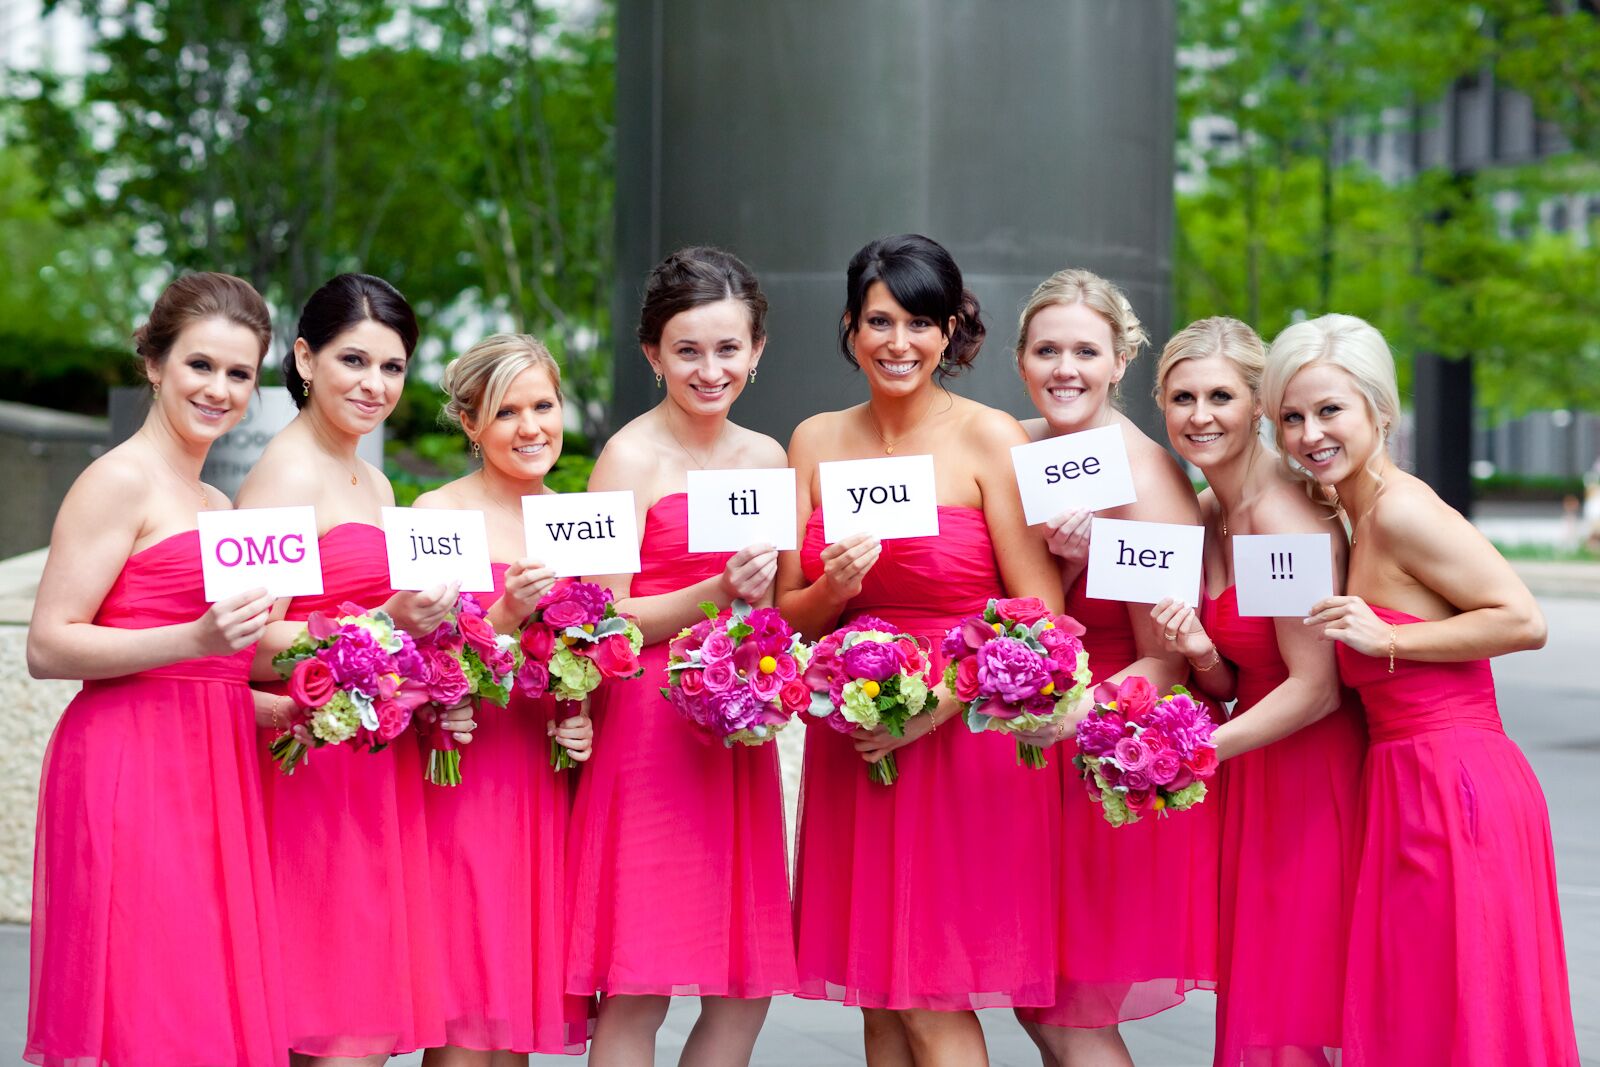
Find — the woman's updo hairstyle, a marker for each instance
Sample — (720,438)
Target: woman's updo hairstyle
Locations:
(478,379)
(692,277)
(340,304)
(1217,336)
(1078,286)
(924,279)
(188,299)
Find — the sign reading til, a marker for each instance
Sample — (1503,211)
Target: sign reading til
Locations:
(887,498)
(1086,470)
(729,509)
(1281,575)
(260,548)
(578,534)
(1144,562)
(436,546)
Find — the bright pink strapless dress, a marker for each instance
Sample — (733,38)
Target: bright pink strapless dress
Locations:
(498,843)
(677,865)
(1456,957)
(936,892)
(1110,968)
(1290,817)
(362,968)
(154,932)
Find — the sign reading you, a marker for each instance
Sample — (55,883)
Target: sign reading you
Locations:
(1144,562)
(437,546)
(887,498)
(1086,470)
(1282,575)
(730,509)
(260,548)
(582,533)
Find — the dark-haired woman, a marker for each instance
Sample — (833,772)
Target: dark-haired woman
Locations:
(347,832)
(923,900)
(154,935)
(679,874)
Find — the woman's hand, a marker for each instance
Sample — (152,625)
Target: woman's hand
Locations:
(845,564)
(575,734)
(420,613)
(750,572)
(527,580)
(231,624)
(1069,535)
(1181,630)
(458,721)
(875,742)
(1053,733)
(1349,619)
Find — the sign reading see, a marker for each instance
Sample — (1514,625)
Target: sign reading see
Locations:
(260,548)
(436,546)
(1086,470)
(886,498)
(582,533)
(1281,575)
(729,509)
(1144,562)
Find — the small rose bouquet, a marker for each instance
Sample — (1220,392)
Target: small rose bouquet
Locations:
(868,674)
(353,678)
(1016,667)
(574,639)
(1139,753)
(463,657)
(736,674)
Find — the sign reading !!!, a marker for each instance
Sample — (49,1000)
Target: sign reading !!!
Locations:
(582,533)
(260,548)
(1086,470)
(1144,562)
(436,546)
(1282,575)
(729,509)
(887,498)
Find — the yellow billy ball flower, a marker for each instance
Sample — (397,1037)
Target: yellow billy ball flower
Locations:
(871,688)
(1049,689)
(998,628)
(768,664)
(588,627)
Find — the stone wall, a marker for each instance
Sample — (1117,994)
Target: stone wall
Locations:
(42,452)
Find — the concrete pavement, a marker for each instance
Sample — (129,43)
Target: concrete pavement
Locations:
(1550,700)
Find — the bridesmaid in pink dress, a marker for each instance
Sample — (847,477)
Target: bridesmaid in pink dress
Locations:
(1293,748)
(677,868)
(358,916)
(1455,899)
(1076,337)
(921,901)
(154,937)
(498,840)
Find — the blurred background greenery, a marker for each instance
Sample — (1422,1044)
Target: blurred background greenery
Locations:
(464,150)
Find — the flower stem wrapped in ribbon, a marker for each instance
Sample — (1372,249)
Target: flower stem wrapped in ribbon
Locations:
(1016,667)
(354,678)
(868,674)
(1138,753)
(736,674)
(463,658)
(575,639)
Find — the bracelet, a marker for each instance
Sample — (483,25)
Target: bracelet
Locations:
(278,720)
(1216,658)
(1394,637)
(933,717)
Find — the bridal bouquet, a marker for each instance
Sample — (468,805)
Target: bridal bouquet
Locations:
(574,640)
(463,657)
(736,674)
(868,674)
(1139,753)
(353,678)
(1016,667)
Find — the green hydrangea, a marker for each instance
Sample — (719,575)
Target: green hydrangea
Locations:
(1187,797)
(913,692)
(336,721)
(572,677)
(858,707)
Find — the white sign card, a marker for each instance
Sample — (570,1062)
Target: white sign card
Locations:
(887,498)
(1088,470)
(436,546)
(1143,562)
(582,533)
(729,509)
(260,548)
(1281,575)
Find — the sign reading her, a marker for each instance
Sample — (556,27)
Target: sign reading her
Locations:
(582,533)
(729,509)
(1144,562)
(260,548)
(886,498)
(1086,470)
(436,546)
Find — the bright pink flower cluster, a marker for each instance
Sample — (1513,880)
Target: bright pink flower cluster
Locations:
(463,657)
(1139,753)
(736,674)
(869,675)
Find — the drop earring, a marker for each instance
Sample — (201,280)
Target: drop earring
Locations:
(658,379)
(752,375)
(305,387)
(155,390)
(477,451)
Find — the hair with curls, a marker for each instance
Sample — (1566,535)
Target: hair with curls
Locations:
(188,299)
(340,304)
(1354,346)
(1078,286)
(478,379)
(1217,336)
(924,279)
(694,276)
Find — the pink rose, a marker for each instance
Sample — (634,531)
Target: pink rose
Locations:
(717,646)
(1204,761)
(1024,609)
(477,633)
(534,677)
(564,613)
(967,678)
(1138,799)
(788,669)
(1165,767)
(794,695)
(615,657)
(311,685)
(393,718)
(1182,780)
(766,687)
(447,684)
(692,682)
(1132,780)
(537,641)
(719,676)
(1135,697)
(1130,754)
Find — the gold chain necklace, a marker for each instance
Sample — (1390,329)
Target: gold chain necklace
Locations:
(198,486)
(888,445)
(700,464)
